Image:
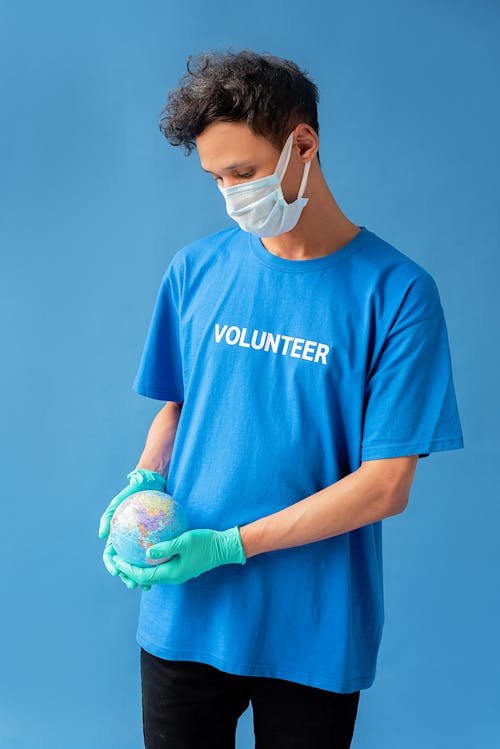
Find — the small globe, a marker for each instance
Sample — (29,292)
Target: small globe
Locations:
(143,519)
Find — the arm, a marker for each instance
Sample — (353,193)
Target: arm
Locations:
(160,439)
(376,490)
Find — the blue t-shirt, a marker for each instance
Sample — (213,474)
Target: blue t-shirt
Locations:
(291,372)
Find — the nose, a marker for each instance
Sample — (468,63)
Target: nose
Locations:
(229,182)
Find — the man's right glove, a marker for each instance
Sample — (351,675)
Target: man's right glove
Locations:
(140,479)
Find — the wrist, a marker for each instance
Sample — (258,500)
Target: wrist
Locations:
(234,552)
(147,478)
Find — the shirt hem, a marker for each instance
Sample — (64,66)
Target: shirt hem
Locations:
(396,449)
(259,669)
(156,392)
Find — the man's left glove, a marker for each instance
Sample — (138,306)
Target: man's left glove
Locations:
(191,553)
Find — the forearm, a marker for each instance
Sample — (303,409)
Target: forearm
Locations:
(357,499)
(160,439)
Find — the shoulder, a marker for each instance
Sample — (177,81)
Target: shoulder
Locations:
(397,281)
(203,247)
(194,257)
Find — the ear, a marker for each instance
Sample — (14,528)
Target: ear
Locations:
(307,141)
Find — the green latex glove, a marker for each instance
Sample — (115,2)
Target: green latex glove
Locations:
(192,553)
(140,479)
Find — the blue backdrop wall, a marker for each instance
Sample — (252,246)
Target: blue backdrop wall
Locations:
(95,202)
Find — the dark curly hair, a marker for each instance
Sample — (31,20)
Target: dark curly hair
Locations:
(272,95)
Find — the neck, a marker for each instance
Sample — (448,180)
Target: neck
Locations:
(322,227)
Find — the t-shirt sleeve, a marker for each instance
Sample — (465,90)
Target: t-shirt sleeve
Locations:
(410,403)
(160,369)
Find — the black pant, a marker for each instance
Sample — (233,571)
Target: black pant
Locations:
(190,705)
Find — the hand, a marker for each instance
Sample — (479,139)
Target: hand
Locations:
(109,553)
(194,552)
(140,479)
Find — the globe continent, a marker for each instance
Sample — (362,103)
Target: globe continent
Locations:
(143,519)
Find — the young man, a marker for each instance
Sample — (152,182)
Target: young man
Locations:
(305,366)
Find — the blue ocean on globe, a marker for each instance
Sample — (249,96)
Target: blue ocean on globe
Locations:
(143,519)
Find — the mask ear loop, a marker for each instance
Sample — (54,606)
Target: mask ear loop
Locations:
(304,179)
(285,158)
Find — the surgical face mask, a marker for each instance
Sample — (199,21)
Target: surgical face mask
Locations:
(259,206)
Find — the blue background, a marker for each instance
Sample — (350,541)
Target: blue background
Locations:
(95,202)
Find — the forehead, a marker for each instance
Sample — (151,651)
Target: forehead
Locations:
(223,146)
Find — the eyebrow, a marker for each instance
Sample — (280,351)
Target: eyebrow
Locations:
(231,166)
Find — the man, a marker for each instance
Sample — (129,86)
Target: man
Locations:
(305,366)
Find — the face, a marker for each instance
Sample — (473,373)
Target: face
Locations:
(232,154)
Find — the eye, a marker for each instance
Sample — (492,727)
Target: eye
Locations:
(240,176)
